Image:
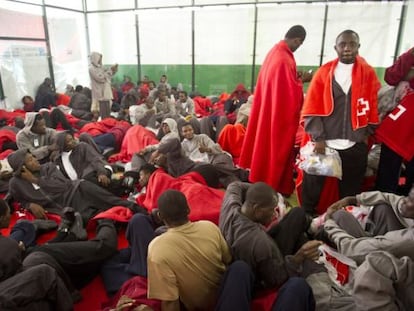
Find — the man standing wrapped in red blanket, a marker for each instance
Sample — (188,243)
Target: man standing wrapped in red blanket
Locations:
(268,147)
(340,112)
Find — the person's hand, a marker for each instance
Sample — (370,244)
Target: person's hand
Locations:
(53,147)
(309,250)
(104,180)
(320,147)
(203,148)
(305,76)
(339,205)
(28,175)
(124,302)
(6,175)
(143,151)
(38,211)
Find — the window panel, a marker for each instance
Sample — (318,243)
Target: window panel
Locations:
(273,23)
(72,4)
(68,48)
(162,3)
(96,5)
(23,67)
(165,44)
(376,24)
(21,20)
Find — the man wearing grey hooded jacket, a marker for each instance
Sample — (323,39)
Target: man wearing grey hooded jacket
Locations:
(101,84)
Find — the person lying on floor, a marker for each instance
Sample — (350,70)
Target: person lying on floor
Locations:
(29,288)
(78,160)
(384,277)
(276,255)
(43,188)
(389,212)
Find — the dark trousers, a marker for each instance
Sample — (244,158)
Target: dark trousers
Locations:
(81,260)
(289,233)
(36,289)
(90,199)
(54,117)
(354,163)
(295,295)
(237,286)
(25,232)
(105,141)
(389,169)
(133,260)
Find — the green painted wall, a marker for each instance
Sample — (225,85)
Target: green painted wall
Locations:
(209,79)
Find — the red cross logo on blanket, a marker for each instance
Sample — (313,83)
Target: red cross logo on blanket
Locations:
(396,114)
(362,107)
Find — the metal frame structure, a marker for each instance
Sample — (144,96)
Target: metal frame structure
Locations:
(255,4)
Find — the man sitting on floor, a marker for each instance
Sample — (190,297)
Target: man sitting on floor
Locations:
(275,255)
(36,137)
(201,148)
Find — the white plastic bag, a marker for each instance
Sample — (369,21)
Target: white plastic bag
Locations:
(328,164)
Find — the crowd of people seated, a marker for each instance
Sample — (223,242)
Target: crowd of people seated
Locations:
(205,229)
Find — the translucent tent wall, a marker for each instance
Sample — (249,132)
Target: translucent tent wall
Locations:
(206,45)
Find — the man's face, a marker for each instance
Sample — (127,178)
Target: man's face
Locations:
(161,96)
(149,102)
(182,98)
(407,206)
(347,46)
(165,128)
(28,101)
(39,127)
(144,178)
(264,215)
(70,142)
(5,219)
(187,132)
(31,163)
(297,42)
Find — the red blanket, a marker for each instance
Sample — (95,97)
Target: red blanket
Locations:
(98,128)
(204,202)
(136,139)
(270,137)
(397,129)
(7,136)
(231,139)
(11,115)
(202,106)
(365,86)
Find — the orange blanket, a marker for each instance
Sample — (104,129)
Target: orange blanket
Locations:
(365,86)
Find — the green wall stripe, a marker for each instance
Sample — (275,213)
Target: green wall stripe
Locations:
(210,79)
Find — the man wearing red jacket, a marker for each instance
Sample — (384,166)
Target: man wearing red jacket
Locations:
(340,112)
